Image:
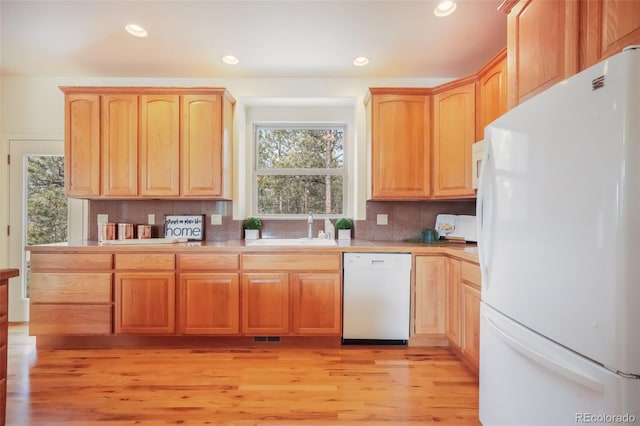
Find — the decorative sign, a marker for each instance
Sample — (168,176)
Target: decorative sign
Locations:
(190,227)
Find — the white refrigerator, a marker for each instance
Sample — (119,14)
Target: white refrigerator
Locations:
(558,219)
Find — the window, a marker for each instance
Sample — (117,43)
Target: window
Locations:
(299,170)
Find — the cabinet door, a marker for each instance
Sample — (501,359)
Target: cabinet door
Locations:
(400,129)
(119,145)
(209,303)
(607,26)
(430,295)
(453,301)
(201,145)
(542,41)
(265,304)
(82,145)
(145,303)
(316,303)
(159,145)
(471,324)
(493,95)
(453,135)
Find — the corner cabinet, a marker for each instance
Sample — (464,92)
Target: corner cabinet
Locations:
(491,96)
(454,121)
(400,129)
(140,142)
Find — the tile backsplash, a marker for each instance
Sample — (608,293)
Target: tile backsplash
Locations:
(406,219)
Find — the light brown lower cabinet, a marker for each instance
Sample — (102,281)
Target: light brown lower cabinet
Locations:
(471,321)
(145,303)
(453,302)
(299,295)
(316,303)
(265,303)
(470,285)
(430,295)
(71,294)
(209,303)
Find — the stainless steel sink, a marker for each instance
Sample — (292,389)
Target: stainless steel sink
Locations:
(279,242)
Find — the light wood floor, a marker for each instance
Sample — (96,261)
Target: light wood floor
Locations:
(262,385)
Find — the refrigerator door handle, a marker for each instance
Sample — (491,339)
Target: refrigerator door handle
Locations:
(549,363)
(484,212)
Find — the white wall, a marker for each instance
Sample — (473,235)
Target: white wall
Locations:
(33,108)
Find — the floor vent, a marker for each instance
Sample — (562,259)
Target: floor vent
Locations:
(266,339)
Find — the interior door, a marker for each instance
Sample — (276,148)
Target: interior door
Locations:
(39,213)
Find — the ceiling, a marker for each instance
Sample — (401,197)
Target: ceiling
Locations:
(294,38)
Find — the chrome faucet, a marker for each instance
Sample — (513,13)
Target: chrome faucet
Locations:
(310,226)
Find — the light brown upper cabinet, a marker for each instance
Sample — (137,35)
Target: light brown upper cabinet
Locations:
(159,145)
(82,144)
(137,142)
(400,143)
(491,96)
(206,131)
(542,45)
(119,156)
(454,123)
(607,26)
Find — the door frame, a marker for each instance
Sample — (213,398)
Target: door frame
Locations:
(18,148)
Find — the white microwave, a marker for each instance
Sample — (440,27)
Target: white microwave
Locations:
(477,153)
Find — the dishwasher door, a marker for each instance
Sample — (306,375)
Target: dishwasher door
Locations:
(376,298)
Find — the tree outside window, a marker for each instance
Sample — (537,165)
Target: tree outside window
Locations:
(299,170)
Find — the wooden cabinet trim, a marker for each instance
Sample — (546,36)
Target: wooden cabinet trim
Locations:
(146,90)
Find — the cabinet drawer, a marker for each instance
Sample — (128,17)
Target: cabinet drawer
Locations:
(70,319)
(68,261)
(70,288)
(145,261)
(288,262)
(208,261)
(470,272)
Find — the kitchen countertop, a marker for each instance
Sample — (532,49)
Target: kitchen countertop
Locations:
(467,251)
(5,274)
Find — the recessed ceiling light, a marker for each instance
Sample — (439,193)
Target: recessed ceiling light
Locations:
(230,59)
(135,30)
(445,8)
(360,61)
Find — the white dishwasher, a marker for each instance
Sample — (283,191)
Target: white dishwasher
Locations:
(376,298)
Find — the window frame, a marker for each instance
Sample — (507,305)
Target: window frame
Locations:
(308,125)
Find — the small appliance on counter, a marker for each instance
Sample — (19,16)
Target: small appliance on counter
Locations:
(456,227)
